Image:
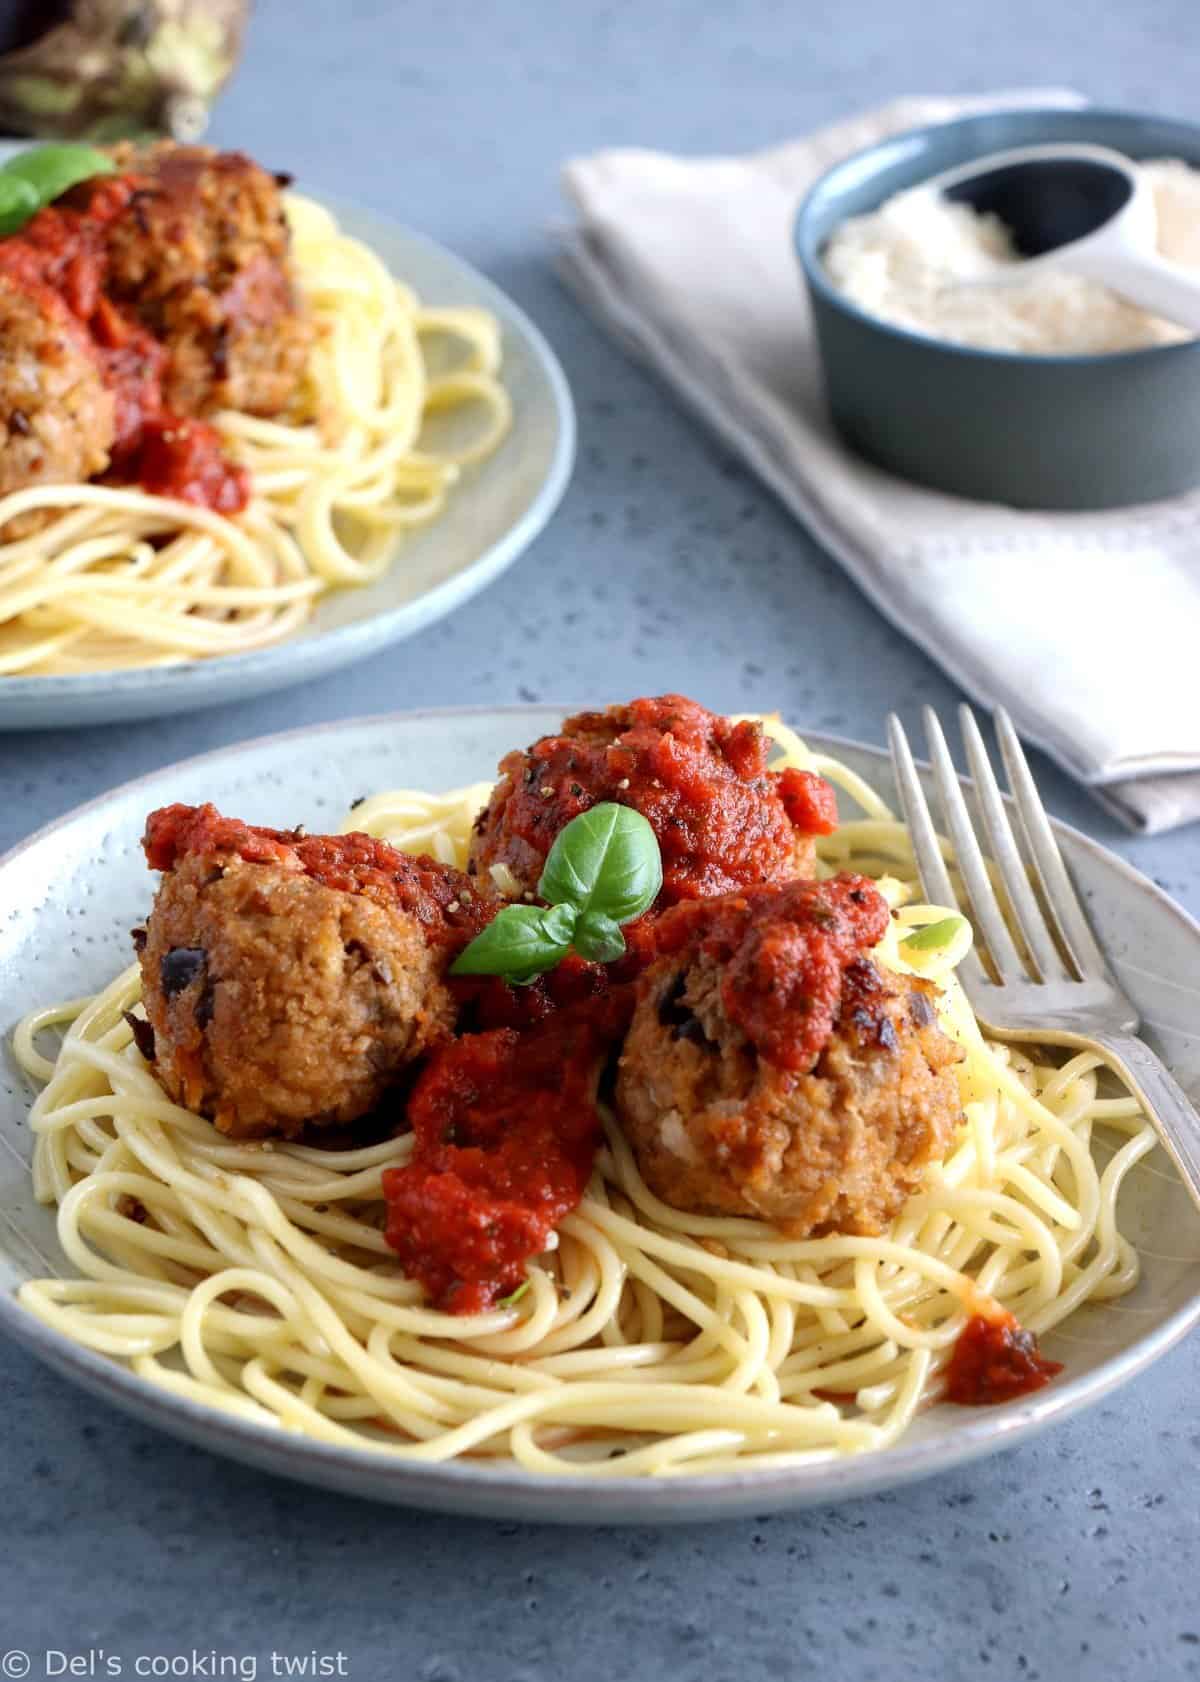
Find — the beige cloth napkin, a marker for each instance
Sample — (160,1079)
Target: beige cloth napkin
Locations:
(1085,626)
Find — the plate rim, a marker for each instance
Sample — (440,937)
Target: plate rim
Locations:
(154,682)
(470,1488)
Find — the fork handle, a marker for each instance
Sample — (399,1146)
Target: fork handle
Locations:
(1166,1103)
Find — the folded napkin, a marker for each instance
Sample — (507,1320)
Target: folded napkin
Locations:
(1085,626)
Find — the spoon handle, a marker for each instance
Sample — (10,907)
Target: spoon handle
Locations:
(1151,282)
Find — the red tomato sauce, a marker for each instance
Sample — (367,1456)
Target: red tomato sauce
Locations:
(487,1002)
(722,819)
(60,258)
(505,1133)
(438,896)
(184,459)
(785,951)
(809,801)
(995,1360)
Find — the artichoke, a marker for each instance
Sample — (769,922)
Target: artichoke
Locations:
(102,70)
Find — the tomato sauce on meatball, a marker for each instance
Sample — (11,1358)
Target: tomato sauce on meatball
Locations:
(775,1070)
(436,895)
(722,819)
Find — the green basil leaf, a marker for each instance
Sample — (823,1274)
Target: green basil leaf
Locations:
(53,170)
(18,202)
(514,1297)
(933,936)
(598,938)
(605,860)
(516,944)
(558,923)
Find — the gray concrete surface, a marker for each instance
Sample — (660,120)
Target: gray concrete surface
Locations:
(1074,1557)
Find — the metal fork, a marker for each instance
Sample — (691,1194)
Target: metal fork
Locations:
(1060,989)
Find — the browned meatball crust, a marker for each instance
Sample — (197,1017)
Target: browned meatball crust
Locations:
(278,1003)
(717,1128)
(201,257)
(55,413)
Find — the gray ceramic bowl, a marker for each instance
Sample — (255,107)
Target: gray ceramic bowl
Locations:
(1032,431)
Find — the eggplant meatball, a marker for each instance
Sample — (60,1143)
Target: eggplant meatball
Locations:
(722,819)
(201,259)
(55,414)
(774,1070)
(289,980)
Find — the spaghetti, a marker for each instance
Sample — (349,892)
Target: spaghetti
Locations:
(255,1277)
(396,401)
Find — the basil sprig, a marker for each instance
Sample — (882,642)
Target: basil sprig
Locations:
(37,177)
(603,870)
(18,202)
(519,943)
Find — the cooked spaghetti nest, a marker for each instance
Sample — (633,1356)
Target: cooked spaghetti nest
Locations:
(397,399)
(255,1277)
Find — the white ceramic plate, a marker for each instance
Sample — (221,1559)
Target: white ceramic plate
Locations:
(495,512)
(72,893)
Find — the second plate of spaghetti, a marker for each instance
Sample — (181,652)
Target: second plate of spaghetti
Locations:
(693,1317)
(331,434)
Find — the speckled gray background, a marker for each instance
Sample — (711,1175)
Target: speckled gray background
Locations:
(1075,1557)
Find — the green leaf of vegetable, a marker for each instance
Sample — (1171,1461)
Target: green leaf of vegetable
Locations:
(934,936)
(514,1297)
(598,938)
(520,943)
(558,923)
(53,170)
(18,202)
(603,870)
(605,860)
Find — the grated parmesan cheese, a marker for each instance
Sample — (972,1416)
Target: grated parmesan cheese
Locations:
(900,262)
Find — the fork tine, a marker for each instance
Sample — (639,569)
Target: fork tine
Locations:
(985,907)
(1043,848)
(935,878)
(931,866)
(1004,851)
